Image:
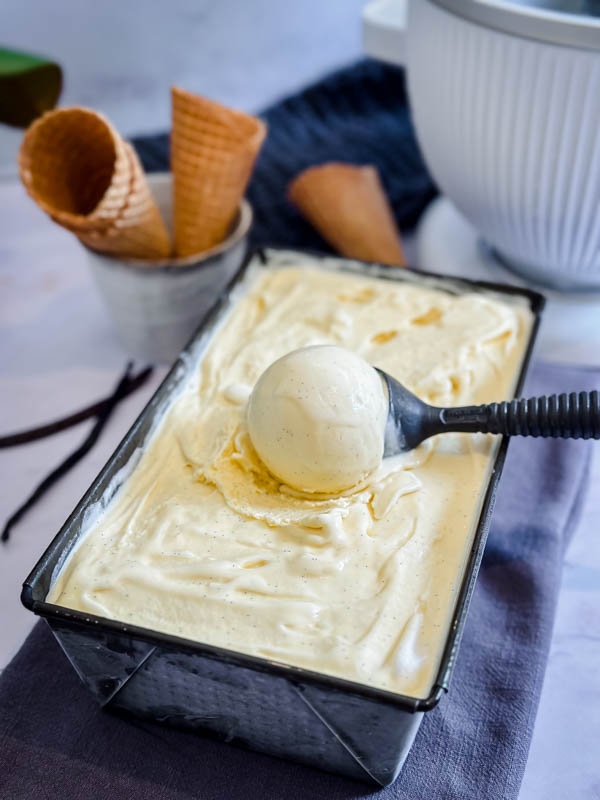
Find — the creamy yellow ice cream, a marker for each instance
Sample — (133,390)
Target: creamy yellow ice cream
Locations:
(316,417)
(203,542)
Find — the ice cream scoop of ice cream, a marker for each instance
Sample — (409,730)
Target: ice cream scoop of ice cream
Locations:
(316,418)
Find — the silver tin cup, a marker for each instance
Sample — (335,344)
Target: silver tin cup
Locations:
(157,305)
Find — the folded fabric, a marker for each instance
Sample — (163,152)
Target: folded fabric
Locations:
(56,742)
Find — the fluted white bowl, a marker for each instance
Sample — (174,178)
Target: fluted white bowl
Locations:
(510,130)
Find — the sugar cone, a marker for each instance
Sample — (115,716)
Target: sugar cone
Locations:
(213,150)
(348,206)
(74,165)
(138,231)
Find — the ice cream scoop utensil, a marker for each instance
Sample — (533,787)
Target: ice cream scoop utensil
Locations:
(410,420)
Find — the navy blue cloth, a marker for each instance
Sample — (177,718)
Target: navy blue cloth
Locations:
(359,115)
(56,742)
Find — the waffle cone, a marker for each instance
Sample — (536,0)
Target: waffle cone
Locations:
(138,231)
(74,165)
(80,171)
(213,150)
(348,207)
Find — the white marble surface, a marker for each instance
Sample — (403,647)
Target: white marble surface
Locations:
(58,351)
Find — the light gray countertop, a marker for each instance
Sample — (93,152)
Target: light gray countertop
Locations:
(59,351)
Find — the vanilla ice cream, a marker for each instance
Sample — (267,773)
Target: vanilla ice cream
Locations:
(317,416)
(204,542)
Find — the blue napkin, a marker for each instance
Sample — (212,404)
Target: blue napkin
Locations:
(56,742)
(359,115)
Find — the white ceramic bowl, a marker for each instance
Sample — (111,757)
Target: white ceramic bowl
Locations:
(156,308)
(506,104)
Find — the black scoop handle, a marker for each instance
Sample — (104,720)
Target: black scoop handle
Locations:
(410,421)
(566,416)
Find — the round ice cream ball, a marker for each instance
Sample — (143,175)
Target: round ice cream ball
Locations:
(316,418)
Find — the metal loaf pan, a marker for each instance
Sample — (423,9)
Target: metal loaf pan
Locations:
(327,722)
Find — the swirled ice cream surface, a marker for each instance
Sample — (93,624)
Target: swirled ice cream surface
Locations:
(202,542)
